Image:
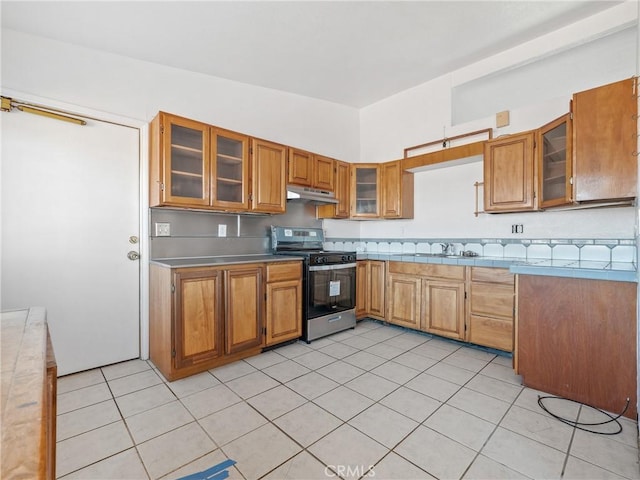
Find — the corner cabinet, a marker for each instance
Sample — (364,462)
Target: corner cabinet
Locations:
(509,173)
(195,165)
(203,317)
(365,190)
(555,165)
(605,129)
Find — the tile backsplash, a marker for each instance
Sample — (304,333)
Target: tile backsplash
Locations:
(608,250)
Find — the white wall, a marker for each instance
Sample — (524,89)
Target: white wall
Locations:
(138,90)
(445,198)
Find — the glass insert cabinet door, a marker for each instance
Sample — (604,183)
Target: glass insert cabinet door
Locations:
(555,165)
(230,169)
(186,167)
(366,190)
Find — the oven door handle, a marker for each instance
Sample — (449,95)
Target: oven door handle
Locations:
(340,266)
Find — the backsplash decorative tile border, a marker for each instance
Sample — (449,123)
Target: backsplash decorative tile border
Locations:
(607,250)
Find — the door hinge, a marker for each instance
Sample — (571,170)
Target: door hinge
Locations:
(571,115)
(265,296)
(570,180)
(173,288)
(161,187)
(173,353)
(251,197)
(264,330)
(465,294)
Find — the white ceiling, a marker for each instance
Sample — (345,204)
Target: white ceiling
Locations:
(352,53)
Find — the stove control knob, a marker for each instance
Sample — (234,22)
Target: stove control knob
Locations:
(347,258)
(320,260)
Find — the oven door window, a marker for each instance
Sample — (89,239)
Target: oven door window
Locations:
(331,291)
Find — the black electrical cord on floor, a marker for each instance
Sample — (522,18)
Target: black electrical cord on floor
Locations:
(580,425)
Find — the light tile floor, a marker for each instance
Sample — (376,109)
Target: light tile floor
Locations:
(408,405)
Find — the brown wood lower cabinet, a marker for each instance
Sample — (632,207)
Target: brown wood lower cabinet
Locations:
(428,297)
(203,317)
(491,307)
(577,339)
(284,302)
(370,289)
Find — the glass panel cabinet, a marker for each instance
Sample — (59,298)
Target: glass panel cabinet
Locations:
(554,167)
(185,179)
(230,169)
(365,190)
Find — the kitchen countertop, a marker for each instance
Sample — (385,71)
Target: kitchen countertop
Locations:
(615,271)
(222,260)
(26,355)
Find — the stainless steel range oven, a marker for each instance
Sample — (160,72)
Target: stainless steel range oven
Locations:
(329,280)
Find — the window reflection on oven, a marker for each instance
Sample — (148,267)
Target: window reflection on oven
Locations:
(331,291)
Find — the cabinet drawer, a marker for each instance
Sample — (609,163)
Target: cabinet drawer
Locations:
(492,299)
(453,272)
(493,275)
(491,332)
(277,272)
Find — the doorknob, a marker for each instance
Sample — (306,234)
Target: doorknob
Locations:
(132,255)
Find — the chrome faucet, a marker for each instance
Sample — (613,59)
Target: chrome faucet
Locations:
(448,249)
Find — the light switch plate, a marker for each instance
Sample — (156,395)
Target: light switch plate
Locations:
(222,230)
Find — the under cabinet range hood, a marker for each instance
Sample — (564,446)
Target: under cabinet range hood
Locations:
(312,195)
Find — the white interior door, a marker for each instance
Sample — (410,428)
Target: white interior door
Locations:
(70,203)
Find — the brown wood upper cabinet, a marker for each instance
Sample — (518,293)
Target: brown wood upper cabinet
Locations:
(195,165)
(268,177)
(555,164)
(343,189)
(179,170)
(509,173)
(365,190)
(588,155)
(397,190)
(381,190)
(605,142)
(311,170)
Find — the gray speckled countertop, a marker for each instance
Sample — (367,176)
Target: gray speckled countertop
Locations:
(616,271)
(222,260)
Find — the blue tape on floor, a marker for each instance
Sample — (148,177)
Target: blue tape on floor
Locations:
(217,472)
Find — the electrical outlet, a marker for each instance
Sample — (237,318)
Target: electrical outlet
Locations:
(163,229)
(222,230)
(517,228)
